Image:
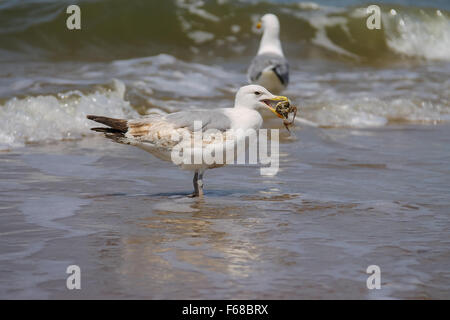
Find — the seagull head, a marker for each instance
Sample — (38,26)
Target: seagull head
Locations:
(257,97)
(269,21)
(270,41)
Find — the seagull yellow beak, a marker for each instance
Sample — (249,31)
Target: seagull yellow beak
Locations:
(274,101)
(258,25)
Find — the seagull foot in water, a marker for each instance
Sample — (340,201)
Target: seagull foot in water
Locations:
(198,185)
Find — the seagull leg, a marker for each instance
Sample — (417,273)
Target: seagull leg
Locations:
(195,181)
(200,183)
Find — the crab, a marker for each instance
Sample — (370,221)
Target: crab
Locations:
(285,110)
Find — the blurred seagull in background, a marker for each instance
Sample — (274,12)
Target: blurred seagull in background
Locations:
(155,134)
(269,68)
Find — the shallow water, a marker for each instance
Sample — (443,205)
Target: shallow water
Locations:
(368,186)
(344,199)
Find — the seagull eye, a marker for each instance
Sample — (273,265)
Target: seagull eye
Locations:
(257,93)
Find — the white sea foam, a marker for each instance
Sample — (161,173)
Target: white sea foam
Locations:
(47,118)
(420,35)
(165,73)
(373,112)
(368,99)
(194,7)
(200,37)
(414,32)
(308,5)
(319,19)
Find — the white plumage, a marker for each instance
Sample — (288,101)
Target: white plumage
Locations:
(269,68)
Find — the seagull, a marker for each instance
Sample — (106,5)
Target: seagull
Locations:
(269,68)
(160,134)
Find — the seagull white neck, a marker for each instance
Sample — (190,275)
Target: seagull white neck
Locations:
(244,118)
(270,41)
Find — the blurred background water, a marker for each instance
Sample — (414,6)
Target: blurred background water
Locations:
(369,186)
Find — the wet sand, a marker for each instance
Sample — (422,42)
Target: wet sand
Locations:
(343,199)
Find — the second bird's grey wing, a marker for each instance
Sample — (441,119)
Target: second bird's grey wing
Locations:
(269,61)
(210,119)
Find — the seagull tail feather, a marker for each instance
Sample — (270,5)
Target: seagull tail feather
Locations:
(117,127)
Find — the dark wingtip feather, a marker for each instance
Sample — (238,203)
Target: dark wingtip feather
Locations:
(120,125)
(106,130)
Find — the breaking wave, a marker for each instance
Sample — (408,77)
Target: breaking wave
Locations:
(192,29)
(50,118)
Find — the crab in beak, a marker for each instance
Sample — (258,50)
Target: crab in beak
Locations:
(273,102)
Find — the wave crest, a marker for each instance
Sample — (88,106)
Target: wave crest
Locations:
(208,29)
(50,118)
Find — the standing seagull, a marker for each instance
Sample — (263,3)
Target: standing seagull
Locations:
(269,68)
(161,135)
